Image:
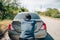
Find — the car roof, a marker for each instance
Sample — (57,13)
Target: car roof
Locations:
(28,13)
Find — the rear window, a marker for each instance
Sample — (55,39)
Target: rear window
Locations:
(22,15)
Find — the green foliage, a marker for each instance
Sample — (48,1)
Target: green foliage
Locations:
(48,12)
(51,13)
(22,9)
(9,9)
(57,16)
(38,12)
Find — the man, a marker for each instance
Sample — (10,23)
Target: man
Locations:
(27,28)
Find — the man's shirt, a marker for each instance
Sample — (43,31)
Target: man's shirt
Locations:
(27,28)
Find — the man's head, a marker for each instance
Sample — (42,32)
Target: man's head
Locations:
(28,16)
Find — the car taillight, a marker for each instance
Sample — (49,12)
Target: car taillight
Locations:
(41,25)
(44,26)
(10,27)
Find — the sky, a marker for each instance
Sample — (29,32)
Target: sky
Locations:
(40,5)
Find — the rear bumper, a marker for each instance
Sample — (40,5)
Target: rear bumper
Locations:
(40,34)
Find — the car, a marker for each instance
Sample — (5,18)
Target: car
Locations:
(14,26)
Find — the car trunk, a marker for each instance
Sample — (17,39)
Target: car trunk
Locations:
(16,25)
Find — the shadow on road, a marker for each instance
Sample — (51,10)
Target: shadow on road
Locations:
(49,37)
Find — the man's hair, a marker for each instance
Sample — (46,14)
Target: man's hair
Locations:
(28,16)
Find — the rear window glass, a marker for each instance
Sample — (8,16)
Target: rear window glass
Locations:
(22,15)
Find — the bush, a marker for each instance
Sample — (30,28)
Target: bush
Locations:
(57,16)
(48,14)
(7,16)
(10,16)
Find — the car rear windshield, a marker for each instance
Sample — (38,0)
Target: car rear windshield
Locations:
(22,15)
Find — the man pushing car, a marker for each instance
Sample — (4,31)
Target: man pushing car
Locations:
(27,28)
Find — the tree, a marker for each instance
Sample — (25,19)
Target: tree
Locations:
(2,10)
(7,8)
(38,12)
(52,12)
(22,9)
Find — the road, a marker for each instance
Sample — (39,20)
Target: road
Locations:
(53,28)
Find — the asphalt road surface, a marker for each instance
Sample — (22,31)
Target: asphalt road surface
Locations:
(53,28)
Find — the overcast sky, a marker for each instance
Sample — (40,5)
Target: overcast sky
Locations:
(34,5)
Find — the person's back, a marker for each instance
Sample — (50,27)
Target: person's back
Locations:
(27,28)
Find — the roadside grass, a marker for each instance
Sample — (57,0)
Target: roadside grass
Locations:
(5,22)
